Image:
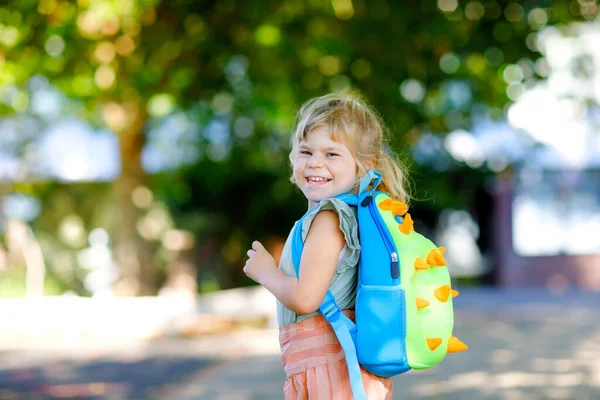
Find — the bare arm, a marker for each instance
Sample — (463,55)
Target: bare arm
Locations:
(322,247)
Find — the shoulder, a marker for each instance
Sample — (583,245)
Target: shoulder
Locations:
(326,218)
(326,223)
(335,218)
(335,206)
(332,215)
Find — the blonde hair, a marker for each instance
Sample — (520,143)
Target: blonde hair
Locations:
(352,122)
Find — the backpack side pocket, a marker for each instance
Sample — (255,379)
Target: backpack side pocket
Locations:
(381,338)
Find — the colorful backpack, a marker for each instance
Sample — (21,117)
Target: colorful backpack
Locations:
(404,313)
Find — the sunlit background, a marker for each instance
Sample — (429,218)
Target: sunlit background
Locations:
(144,145)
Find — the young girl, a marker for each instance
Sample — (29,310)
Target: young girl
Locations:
(337,140)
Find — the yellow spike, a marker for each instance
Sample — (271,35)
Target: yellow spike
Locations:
(442,250)
(407,225)
(421,303)
(399,208)
(386,205)
(435,258)
(442,293)
(433,343)
(454,293)
(455,345)
(420,264)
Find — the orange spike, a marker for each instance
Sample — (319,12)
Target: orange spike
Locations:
(442,250)
(386,205)
(435,258)
(455,345)
(442,293)
(454,293)
(433,343)
(399,208)
(420,264)
(421,303)
(407,225)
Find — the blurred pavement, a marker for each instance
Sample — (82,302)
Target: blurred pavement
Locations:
(523,344)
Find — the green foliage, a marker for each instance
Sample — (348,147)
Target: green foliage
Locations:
(12,284)
(250,65)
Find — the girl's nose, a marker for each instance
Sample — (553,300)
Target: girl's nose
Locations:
(315,162)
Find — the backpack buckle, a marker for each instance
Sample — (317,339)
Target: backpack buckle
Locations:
(331,312)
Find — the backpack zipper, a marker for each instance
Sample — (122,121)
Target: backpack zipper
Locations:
(394,264)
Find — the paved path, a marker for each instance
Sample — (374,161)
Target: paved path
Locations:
(523,345)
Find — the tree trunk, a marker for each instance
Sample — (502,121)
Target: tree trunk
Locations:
(181,276)
(133,254)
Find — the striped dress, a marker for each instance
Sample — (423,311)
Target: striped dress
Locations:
(315,365)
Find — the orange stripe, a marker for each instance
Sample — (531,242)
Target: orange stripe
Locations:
(315,365)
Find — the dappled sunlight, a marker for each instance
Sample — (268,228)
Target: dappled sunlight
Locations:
(149,377)
(525,352)
(522,344)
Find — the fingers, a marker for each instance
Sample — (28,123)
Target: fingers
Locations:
(256,245)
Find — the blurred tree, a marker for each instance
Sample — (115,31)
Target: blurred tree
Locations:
(124,64)
(427,66)
(239,70)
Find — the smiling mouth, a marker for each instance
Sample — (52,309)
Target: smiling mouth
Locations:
(311,180)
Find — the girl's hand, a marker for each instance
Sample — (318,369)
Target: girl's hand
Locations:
(260,263)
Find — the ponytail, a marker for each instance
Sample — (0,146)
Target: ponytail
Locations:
(393,175)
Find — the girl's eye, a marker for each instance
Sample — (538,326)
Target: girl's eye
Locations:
(304,152)
(332,154)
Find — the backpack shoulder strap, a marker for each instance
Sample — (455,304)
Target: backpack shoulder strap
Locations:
(367,180)
(348,198)
(344,328)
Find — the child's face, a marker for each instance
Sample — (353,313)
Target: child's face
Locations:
(323,168)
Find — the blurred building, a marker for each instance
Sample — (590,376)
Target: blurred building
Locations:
(547,228)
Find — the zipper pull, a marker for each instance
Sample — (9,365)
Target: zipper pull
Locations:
(395,266)
(367,200)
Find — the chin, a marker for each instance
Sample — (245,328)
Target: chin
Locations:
(318,196)
(314,198)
